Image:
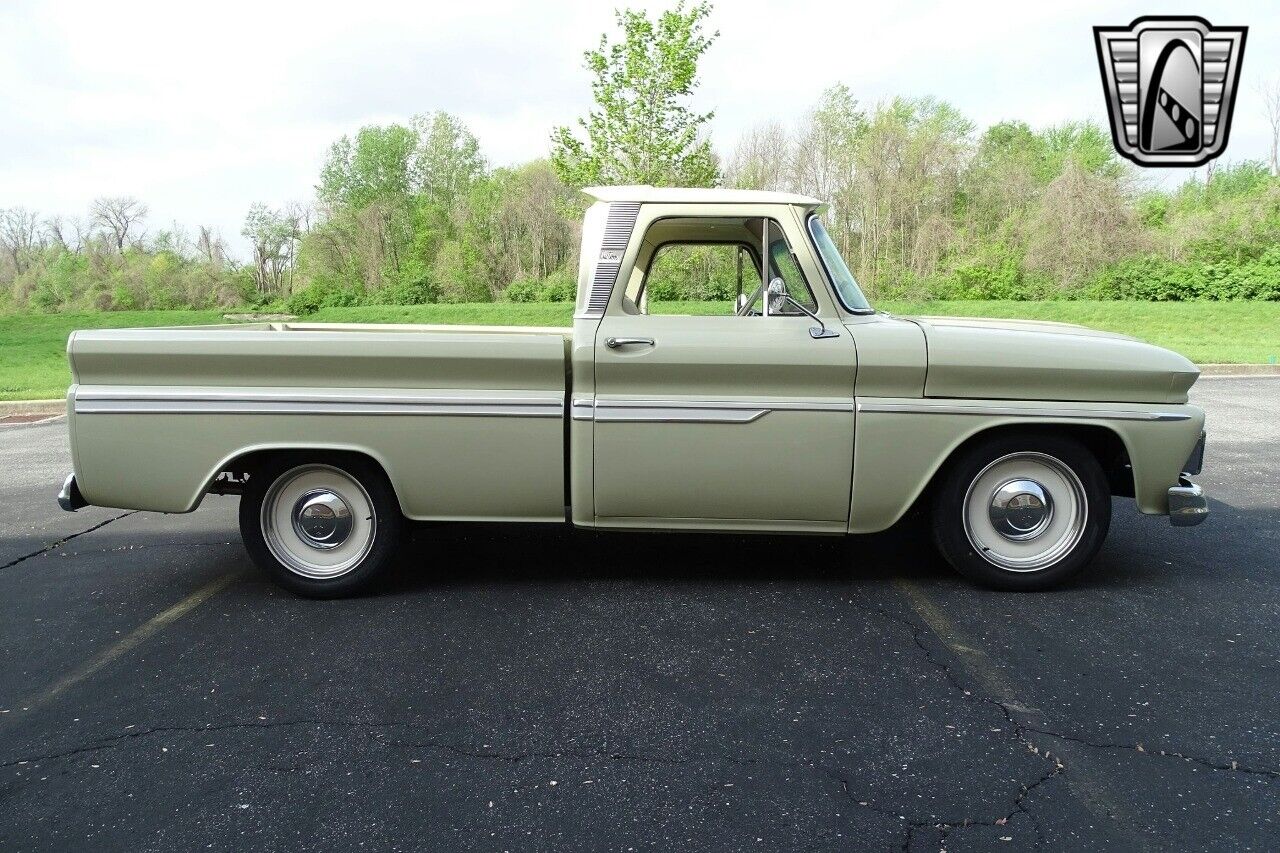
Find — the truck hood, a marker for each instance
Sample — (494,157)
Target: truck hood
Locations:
(1039,360)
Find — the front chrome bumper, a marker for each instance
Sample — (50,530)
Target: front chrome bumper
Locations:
(1187,504)
(70,498)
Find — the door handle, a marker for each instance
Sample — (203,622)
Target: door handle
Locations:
(614,343)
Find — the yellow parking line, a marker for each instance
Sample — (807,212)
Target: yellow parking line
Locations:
(1084,776)
(977,664)
(133,639)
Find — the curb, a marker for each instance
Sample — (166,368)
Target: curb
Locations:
(1239,369)
(33,407)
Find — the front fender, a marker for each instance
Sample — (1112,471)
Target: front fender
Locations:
(901,443)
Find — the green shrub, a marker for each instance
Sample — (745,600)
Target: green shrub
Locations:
(988,278)
(122,299)
(559,286)
(409,292)
(1158,279)
(524,290)
(318,294)
(1148,278)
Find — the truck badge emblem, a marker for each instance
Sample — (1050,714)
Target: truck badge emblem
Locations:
(1170,85)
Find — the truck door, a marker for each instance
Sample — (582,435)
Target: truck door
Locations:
(733,412)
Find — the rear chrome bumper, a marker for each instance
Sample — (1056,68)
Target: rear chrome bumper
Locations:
(70,498)
(1187,504)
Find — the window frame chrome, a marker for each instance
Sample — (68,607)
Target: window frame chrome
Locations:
(826,271)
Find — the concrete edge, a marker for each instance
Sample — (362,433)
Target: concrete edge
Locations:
(33,407)
(1239,369)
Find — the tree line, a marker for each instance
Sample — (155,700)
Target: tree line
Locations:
(923,204)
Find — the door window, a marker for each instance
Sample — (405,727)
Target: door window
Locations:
(697,266)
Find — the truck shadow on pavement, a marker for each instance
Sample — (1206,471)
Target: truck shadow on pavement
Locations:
(468,554)
(1140,551)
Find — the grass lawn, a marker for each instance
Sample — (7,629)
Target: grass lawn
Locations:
(33,346)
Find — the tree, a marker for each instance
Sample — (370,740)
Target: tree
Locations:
(19,228)
(1083,222)
(1270,92)
(375,166)
(642,131)
(273,235)
(210,248)
(118,216)
(826,159)
(446,160)
(762,159)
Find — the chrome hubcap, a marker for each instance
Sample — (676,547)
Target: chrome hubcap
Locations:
(322,519)
(1025,511)
(1021,510)
(318,521)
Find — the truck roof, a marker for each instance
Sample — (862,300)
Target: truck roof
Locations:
(692,195)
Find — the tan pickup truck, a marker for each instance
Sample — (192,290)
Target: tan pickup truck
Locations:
(797,408)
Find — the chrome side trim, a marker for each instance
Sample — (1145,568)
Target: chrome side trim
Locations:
(133,401)
(677,414)
(766,404)
(693,411)
(925,407)
(286,408)
(316,395)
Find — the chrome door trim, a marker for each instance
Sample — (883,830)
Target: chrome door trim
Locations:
(694,411)
(930,407)
(677,414)
(747,403)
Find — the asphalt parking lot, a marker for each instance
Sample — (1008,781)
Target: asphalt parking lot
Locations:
(515,689)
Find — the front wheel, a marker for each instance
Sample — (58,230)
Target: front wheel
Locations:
(321,527)
(1022,512)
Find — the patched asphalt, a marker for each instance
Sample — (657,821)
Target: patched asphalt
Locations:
(509,688)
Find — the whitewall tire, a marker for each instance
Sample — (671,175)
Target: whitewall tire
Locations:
(320,526)
(1022,512)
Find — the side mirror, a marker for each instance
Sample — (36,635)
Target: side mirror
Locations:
(778,296)
(778,292)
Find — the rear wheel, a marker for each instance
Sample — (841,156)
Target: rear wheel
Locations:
(1022,512)
(321,527)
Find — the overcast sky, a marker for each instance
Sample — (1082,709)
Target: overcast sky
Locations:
(201,109)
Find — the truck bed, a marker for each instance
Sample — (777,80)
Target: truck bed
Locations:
(467,421)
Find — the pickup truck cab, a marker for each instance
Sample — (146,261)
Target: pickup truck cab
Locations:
(797,408)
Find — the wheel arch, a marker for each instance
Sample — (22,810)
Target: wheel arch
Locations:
(246,459)
(1106,445)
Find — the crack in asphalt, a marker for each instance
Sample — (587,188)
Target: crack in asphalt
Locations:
(516,757)
(1016,732)
(455,749)
(915,824)
(1022,732)
(945,828)
(1232,767)
(64,540)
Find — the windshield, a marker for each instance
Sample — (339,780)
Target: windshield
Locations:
(846,285)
